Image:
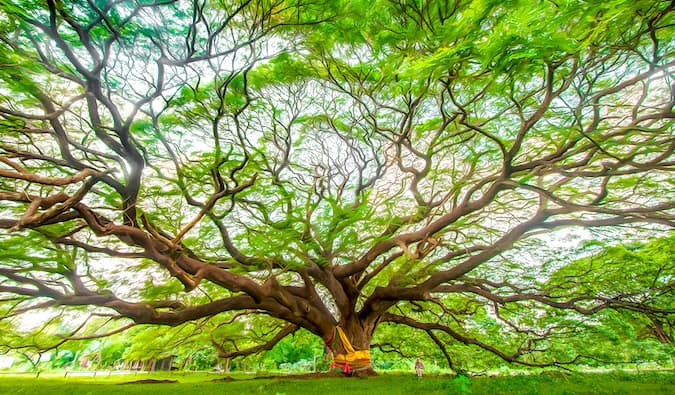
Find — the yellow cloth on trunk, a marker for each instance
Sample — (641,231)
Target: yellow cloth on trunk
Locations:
(353,359)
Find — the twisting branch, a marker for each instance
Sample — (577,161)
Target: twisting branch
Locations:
(442,347)
(268,345)
(514,358)
(100,335)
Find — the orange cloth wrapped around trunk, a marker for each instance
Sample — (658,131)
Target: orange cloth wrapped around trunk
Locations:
(353,360)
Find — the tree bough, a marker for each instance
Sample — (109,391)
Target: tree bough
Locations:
(287,159)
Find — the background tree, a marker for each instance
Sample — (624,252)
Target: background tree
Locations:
(330,166)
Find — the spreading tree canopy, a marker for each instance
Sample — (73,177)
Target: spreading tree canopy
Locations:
(330,164)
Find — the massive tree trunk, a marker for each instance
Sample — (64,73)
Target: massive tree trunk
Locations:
(349,344)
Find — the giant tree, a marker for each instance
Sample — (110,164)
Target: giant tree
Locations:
(330,166)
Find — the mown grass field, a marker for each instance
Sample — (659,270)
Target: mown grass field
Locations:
(202,384)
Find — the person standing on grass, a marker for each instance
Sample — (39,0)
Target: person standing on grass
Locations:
(419,368)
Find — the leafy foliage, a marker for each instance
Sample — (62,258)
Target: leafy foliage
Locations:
(241,170)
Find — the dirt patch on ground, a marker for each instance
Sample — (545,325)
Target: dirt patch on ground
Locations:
(304,375)
(226,378)
(299,376)
(150,381)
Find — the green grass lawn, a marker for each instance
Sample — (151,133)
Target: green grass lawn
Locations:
(202,384)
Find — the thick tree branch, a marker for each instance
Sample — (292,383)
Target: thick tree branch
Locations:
(268,345)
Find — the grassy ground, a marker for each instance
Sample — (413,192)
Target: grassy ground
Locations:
(202,384)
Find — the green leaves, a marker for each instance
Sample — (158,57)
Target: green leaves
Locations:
(281,69)
(622,269)
(331,158)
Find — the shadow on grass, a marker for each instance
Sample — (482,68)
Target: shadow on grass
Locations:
(150,381)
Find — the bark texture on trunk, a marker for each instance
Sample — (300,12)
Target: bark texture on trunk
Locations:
(349,344)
